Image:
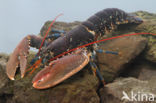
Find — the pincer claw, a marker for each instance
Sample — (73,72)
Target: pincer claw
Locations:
(19,56)
(60,69)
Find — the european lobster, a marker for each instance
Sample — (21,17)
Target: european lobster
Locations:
(58,70)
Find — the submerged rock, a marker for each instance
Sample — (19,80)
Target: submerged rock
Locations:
(150,53)
(141,69)
(3,59)
(80,88)
(149,26)
(3,77)
(5,92)
(128,47)
(58,26)
(136,90)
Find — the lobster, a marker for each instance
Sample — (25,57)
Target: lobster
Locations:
(64,67)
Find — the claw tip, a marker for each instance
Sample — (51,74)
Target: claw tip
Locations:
(34,85)
(12,78)
(22,76)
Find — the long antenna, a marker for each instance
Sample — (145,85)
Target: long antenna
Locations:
(48,32)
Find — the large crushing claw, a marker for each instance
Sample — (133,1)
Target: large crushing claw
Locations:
(61,69)
(19,56)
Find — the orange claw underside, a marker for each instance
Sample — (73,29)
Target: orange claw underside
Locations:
(60,69)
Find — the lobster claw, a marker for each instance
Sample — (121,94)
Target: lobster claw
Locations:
(19,56)
(61,69)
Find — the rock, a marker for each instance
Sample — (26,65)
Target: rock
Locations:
(3,59)
(3,77)
(5,92)
(4,56)
(150,53)
(75,94)
(141,69)
(145,15)
(111,65)
(58,26)
(149,26)
(80,88)
(3,80)
(114,92)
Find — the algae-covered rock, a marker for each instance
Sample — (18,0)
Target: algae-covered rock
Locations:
(58,26)
(3,77)
(5,91)
(149,26)
(150,53)
(75,92)
(145,15)
(129,90)
(4,56)
(3,59)
(80,88)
